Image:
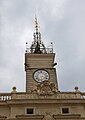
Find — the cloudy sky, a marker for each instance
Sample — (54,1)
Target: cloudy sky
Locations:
(61,22)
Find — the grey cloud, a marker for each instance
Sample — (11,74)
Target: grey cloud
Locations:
(61,22)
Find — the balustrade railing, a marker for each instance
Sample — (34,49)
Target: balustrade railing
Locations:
(46,50)
(83,95)
(5,96)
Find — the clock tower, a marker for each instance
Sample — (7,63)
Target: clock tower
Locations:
(42,99)
(39,66)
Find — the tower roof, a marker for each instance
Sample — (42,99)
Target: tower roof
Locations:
(38,46)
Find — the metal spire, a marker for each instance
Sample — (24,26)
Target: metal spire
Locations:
(37,34)
(36,25)
(37,45)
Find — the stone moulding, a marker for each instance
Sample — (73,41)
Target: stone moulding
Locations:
(36,117)
(70,116)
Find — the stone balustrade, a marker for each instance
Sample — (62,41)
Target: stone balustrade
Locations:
(5,96)
(83,95)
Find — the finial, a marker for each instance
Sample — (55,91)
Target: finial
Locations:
(76,89)
(14,89)
(36,24)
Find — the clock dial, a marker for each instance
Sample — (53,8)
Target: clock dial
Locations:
(41,75)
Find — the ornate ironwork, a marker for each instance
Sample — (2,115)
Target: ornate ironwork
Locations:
(38,46)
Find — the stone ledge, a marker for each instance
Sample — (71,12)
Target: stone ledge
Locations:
(30,116)
(69,116)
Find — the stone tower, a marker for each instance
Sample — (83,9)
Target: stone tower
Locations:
(39,63)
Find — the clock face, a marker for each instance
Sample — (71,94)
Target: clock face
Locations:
(41,75)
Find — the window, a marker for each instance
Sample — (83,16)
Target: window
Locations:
(29,110)
(65,110)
